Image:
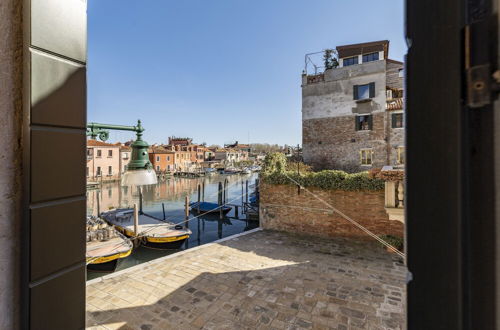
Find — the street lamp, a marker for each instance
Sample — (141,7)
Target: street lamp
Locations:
(139,171)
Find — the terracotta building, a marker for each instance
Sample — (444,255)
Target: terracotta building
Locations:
(163,159)
(352,113)
(103,161)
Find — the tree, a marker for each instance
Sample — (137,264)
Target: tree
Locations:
(330,59)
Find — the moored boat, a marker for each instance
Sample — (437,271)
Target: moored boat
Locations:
(208,208)
(231,170)
(154,232)
(246,170)
(105,246)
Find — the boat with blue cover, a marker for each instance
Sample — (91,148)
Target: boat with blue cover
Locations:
(208,208)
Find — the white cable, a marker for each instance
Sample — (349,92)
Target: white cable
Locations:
(401,254)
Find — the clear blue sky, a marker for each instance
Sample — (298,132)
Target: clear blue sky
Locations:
(219,70)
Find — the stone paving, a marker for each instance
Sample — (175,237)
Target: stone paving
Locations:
(263,280)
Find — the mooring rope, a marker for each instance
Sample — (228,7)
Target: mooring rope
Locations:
(346,217)
(142,234)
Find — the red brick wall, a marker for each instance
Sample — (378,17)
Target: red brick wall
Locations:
(281,208)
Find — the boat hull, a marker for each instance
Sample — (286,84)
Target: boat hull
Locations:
(108,267)
(107,263)
(208,208)
(159,245)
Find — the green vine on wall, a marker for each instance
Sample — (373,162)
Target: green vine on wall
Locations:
(274,172)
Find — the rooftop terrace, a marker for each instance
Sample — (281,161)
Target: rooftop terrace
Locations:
(261,280)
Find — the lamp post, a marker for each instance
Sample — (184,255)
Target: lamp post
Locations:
(139,170)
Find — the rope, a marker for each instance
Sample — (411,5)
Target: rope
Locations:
(346,217)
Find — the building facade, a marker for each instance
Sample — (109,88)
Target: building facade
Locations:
(103,161)
(163,160)
(352,114)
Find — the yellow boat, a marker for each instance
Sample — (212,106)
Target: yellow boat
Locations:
(105,246)
(155,233)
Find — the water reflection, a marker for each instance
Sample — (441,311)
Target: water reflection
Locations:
(166,200)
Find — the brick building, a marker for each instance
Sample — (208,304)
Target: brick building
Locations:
(352,114)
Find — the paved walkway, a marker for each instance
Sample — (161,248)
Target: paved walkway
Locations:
(263,280)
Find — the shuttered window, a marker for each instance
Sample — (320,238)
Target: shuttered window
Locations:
(366,156)
(363,92)
(397,120)
(363,123)
(401,155)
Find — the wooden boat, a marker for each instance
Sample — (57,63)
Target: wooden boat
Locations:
(105,246)
(154,232)
(208,208)
(232,170)
(246,171)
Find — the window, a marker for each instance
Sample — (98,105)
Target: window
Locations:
(401,155)
(350,61)
(401,73)
(110,192)
(125,155)
(168,167)
(370,57)
(157,158)
(366,156)
(98,172)
(157,167)
(363,92)
(99,152)
(168,158)
(110,170)
(364,123)
(110,153)
(397,120)
(87,171)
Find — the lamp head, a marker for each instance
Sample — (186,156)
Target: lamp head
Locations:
(139,170)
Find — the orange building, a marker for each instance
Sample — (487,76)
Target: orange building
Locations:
(163,160)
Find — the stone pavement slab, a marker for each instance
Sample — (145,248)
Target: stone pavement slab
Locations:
(263,280)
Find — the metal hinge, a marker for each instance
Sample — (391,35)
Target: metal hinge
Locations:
(481,83)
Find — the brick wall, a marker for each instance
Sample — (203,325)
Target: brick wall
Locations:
(281,208)
(334,143)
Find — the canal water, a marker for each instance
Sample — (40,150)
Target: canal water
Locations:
(171,193)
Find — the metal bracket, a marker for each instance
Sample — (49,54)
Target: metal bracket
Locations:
(482,84)
(478,86)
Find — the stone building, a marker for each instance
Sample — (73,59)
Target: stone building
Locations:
(352,113)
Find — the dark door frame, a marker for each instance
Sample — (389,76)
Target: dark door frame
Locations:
(451,161)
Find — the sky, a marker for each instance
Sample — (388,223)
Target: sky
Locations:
(219,71)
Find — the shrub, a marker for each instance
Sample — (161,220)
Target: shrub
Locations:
(397,242)
(274,172)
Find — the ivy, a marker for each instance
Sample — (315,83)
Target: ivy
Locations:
(274,172)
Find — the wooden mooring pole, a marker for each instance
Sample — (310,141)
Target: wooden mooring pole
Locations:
(246,194)
(140,200)
(199,196)
(186,224)
(219,201)
(136,220)
(98,203)
(225,191)
(242,192)
(163,207)
(203,192)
